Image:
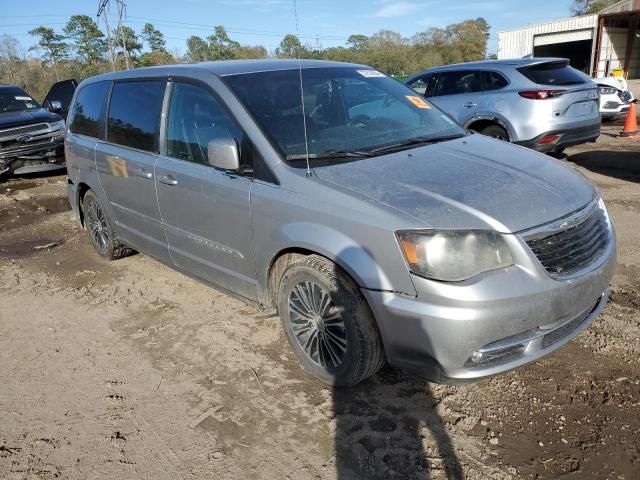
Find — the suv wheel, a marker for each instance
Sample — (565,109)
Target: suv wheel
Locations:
(328,322)
(103,236)
(495,131)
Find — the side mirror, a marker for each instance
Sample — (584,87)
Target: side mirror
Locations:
(56,106)
(223,153)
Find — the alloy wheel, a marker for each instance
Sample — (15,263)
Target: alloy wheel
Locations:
(317,324)
(97,223)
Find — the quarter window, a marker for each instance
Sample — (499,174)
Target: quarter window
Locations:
(494,81)
(453,83)
(88,110)
(196,118)
(134,114)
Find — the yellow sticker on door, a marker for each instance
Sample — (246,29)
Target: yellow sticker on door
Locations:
(118,166)
(417,101)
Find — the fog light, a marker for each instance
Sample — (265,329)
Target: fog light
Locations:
(549,139)
(476,357)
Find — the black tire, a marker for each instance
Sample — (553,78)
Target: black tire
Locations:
(101,232)
(495,131)
(349,322)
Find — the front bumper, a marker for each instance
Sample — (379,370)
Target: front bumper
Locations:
(42,152)
(513,316)
(615,105)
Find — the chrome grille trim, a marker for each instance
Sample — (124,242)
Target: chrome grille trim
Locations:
(14,132)
(569,246)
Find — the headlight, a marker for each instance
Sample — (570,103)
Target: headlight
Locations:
(57,125)
(453,255)
(607,90)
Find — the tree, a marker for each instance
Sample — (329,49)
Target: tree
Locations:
(53,45)
(249,51)
(586,7)
(127,40)
(154,38)
(9,57)
(221,47)
(357,42)
(468,39)
(290,47)
(197,49)
(88,40)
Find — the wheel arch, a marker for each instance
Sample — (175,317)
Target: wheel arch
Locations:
(285,257)
(480,122)
(83,188)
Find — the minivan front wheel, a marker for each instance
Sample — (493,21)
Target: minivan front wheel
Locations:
(328,322)
(495,131)
(101,233)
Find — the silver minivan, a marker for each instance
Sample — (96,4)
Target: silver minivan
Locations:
(375,226)
(540,103)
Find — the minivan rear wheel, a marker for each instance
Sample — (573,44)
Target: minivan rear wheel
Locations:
(328,322)
(101,233)
(495,131)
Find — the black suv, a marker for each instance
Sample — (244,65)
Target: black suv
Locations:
(32,135)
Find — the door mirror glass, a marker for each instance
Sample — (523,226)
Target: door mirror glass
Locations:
(56,106)
(223,153)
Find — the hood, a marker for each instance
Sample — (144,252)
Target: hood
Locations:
(26,117)
(615,82)
(472,182)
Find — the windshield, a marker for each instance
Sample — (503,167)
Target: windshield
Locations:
(348,110)
(15,99)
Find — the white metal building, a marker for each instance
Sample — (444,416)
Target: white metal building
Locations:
(597,44)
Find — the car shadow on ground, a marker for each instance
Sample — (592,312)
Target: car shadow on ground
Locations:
(624,165)
(389,427)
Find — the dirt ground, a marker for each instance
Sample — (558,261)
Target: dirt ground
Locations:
(131,370)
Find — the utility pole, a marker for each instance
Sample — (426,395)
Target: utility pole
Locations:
(103,7)
(122,11)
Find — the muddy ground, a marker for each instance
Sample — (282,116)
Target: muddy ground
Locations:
(131,370)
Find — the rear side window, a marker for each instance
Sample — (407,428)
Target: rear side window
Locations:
(88,111)
(134,114)
(494,81)
(453,83)
(553,73)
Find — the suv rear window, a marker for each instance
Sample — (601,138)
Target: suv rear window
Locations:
(88,110)
(552,73)
(134,114)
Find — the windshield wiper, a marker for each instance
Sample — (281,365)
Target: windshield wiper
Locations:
(415,142)
(330,155)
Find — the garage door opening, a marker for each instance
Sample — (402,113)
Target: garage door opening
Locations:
(578,53)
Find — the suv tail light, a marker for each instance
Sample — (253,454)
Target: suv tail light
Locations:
(540,94)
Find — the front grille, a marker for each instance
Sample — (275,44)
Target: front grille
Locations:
(624,96)
(574,246)
(12,132)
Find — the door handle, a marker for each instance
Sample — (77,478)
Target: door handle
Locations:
(141,172)
(470,104)
(167,180)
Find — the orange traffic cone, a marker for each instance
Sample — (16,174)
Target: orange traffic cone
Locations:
(631,124)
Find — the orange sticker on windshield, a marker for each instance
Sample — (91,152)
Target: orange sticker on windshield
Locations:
(417,101)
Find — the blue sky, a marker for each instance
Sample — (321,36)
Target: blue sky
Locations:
(327,22)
